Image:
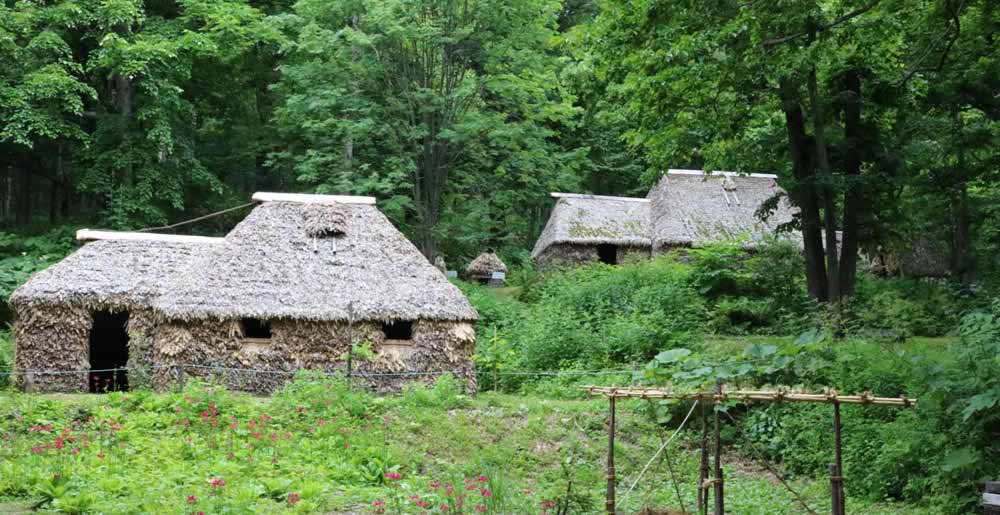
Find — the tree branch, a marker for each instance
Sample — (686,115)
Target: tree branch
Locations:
(843,19)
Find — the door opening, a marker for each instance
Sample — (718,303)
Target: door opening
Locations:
(607,253)
(108,350)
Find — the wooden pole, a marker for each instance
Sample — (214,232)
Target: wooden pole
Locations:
(747,396)
(837,480)
(610,504)
(350,339)
(720,508)
(703,471)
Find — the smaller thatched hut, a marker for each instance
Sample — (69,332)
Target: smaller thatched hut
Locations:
(488,269)
(594,228)
(93,310)
(691,207)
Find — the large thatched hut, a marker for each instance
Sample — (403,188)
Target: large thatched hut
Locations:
(591,228)
(487,268)
(690,208)
(288,288)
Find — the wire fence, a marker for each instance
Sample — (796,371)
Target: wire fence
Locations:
(10,372)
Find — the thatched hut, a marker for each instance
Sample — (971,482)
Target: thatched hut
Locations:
(93,310)
(290,287)
(690,207)
(487,268)
(592,228)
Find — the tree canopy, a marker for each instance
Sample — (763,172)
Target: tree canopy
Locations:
(879,116)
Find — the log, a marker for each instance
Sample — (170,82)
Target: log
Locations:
(305,198)
(747,396)
(91,235)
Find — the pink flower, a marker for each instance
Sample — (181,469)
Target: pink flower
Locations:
(486,492)
(482,479)
(192,499)
(59,443)
(217,482)
(435,485)
(481,508)
(293,499)
(393,475)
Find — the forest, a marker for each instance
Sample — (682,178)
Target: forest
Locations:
(460,116)
(881,119)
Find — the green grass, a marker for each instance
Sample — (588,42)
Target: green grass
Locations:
(140,456)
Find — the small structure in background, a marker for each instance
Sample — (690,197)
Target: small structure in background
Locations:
(440,264)
(487,269)
(293,286)
(594,228)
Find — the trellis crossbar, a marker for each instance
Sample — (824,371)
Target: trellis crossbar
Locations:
(830,396)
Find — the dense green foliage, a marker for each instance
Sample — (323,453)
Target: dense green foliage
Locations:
(321,447)
(717,314)
(462,116)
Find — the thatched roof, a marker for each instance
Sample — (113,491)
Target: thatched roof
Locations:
(690,208)
(485,264)
(126,272)
(596,219)
(279,262)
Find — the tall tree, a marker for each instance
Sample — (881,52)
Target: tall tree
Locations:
(813,90)
(393,97)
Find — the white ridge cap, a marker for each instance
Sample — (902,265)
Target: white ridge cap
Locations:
(92,235)
(307,198)
(673,171)
(555,194)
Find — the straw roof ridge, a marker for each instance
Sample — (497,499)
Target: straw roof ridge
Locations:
(125,272)
(271,267)
(689,208)
(592,220)
(486,263)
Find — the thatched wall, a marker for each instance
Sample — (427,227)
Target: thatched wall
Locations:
(56,337)
(436,347)
(569,254)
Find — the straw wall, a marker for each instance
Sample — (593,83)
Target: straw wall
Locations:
(568,254)
(435,347)
(56,338)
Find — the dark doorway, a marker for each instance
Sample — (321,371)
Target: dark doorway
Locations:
(607,253)
(108,350)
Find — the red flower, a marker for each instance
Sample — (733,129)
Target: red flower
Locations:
(481,508)
(217,482)
(486,492)
(192,499)
(59,443)
(293,499)
(482,479)
(393,475)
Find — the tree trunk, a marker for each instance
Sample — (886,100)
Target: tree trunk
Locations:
(962,258)
(25,196)
(803,193)
(829,203)
(854,200)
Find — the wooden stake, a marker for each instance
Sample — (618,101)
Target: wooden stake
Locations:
(703,471)
(720,508)
(610,504)
(837,480)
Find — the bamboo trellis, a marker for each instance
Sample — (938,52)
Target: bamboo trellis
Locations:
(720,395)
